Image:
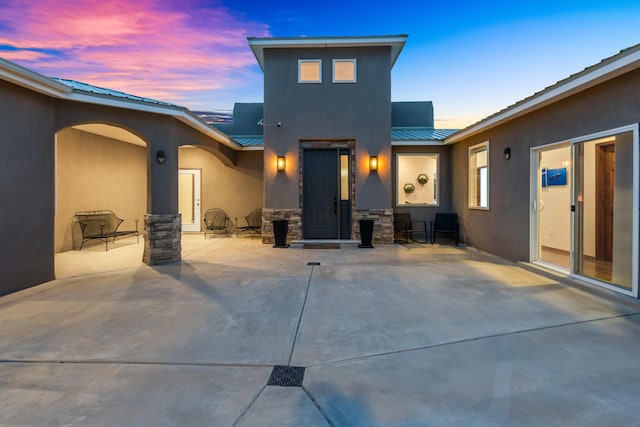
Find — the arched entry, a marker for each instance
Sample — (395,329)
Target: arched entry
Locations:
(98,167)
(235,188)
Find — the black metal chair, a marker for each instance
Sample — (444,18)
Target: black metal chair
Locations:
(404,225)
(216,221)
(445,223)
(254,224)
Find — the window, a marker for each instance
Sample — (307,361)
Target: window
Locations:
(309,71)
(417,179)
(344,70)
(345,194)
(479,176)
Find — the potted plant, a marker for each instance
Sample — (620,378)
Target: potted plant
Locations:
(280,229)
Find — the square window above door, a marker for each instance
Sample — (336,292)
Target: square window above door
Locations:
(309,71)
(344,71)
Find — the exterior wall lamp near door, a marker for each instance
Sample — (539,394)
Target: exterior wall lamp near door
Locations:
(281,163)
(373,163)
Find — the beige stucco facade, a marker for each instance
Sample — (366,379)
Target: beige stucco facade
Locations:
(236,189)
(93,173)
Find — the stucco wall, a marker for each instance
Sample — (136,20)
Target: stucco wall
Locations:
(26,188)
(504,228)
(328,111)
(237,190)
(94,173)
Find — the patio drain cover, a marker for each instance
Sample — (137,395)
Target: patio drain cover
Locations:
(287,376)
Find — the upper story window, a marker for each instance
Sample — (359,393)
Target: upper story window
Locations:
(309,71)
(344,70)
(479,176)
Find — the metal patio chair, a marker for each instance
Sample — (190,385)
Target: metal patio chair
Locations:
(254,224)
(404,225)
(216,221)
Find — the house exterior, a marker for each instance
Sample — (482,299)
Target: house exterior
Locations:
(70,147)
(327,115)
(553,180)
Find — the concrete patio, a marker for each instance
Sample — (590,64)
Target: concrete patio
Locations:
(399,335)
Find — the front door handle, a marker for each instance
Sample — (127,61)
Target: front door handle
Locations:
(335,205)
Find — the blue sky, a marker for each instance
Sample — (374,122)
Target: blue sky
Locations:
(471,59)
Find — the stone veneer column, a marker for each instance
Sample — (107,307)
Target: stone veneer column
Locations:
(382,224)
(295,224)
(162,234)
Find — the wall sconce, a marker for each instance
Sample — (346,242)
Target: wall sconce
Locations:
(507,153)
(373,163)
(161,157)
(262,123)
(281,163)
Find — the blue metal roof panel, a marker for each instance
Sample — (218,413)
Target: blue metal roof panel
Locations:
(249,140)
(85,87)
(420,134)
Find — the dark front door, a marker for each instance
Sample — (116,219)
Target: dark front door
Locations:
(320,201)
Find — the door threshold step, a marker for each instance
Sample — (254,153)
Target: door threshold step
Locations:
(325,241)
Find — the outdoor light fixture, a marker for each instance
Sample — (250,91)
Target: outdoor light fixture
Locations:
(161,157)
(281,163)
(373,163)
(507,153)
(262,123)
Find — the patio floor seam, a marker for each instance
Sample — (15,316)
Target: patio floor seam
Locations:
(133,362)
(485,337)
(304,304)
(317,405)
(246,410)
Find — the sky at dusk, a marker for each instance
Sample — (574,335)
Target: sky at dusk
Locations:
(471,59)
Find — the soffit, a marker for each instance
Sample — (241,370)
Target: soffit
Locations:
(258,45)
(112,132)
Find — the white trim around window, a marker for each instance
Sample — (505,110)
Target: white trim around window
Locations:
(479,176)
(309,70)
(417,183)
(344,71)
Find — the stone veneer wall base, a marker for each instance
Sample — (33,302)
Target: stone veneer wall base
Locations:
(162,239)
(382,224)
(294,216)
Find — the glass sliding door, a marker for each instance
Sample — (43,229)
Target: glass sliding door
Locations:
(604,209)
(553,205)
(585,205)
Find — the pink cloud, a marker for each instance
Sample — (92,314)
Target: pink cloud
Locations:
(151,48)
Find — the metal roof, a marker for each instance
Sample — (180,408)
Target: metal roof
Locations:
(85,87)
(410,135)
(623,62)
(399,136)
(249,140)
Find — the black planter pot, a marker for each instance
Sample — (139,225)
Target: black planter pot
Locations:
(366,233)
(280,229)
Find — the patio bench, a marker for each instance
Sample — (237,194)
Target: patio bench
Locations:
(406,226)
(102,225)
